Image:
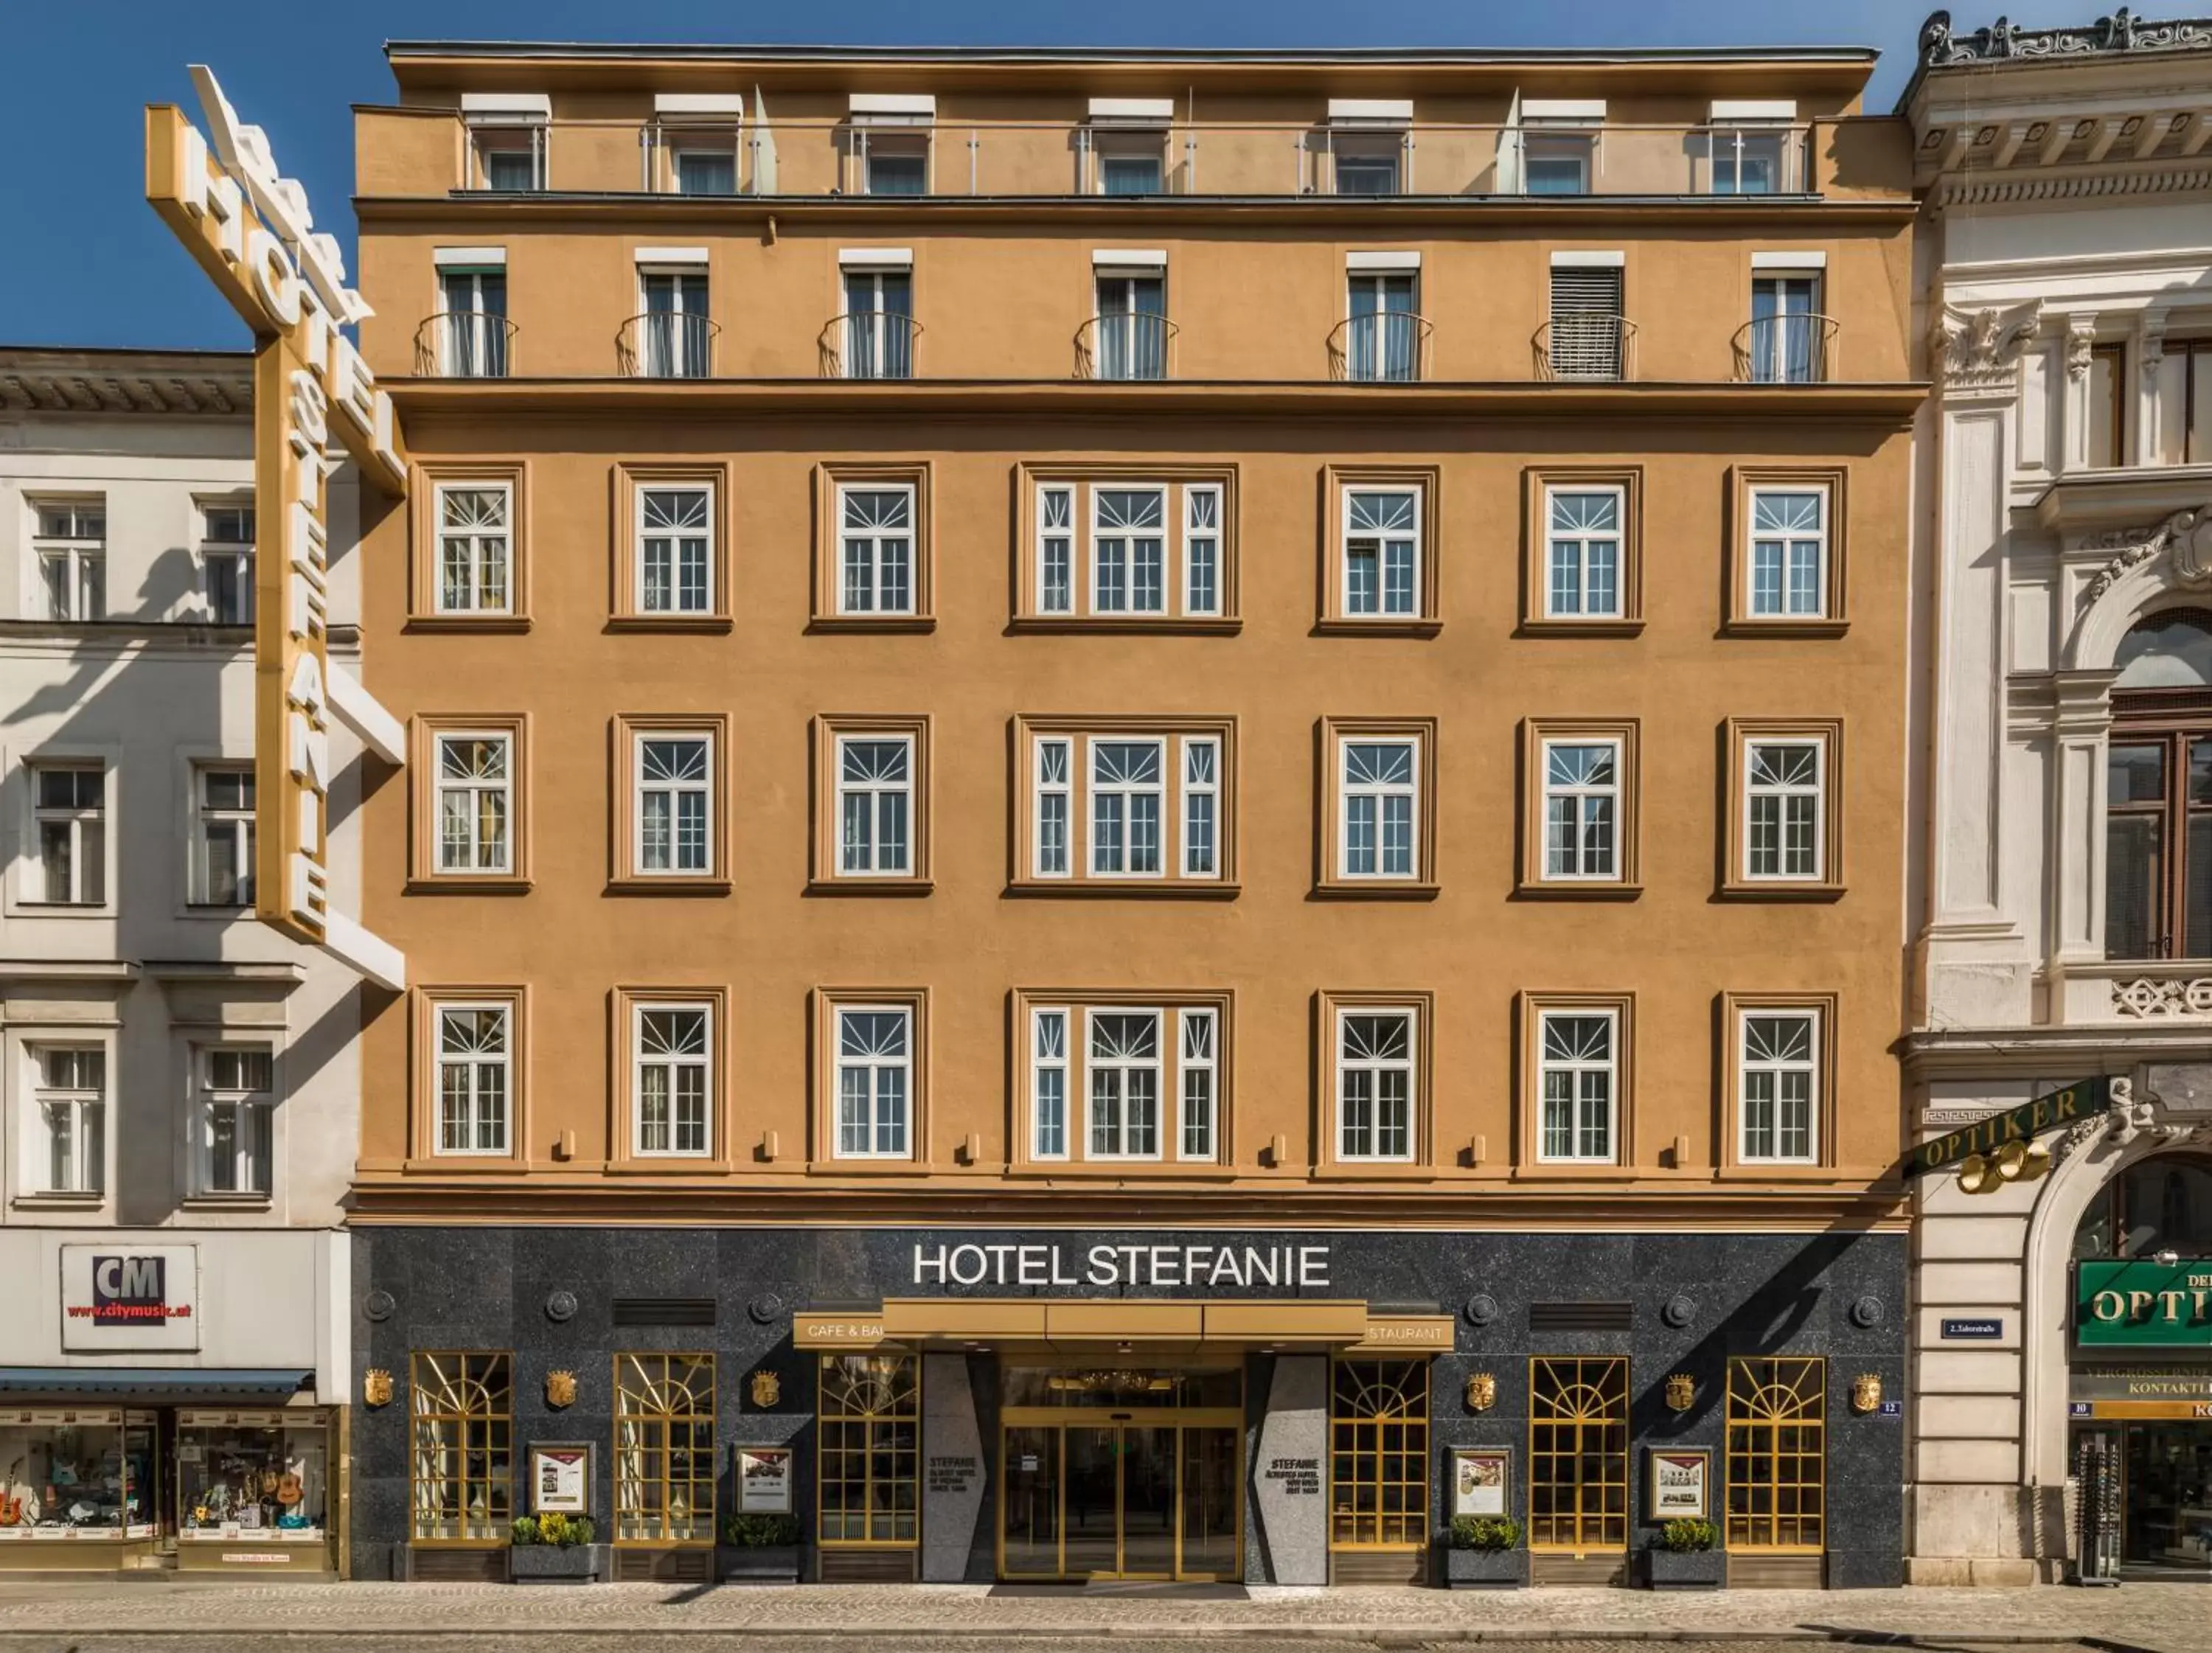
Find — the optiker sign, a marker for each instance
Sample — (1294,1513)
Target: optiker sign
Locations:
(144,1299)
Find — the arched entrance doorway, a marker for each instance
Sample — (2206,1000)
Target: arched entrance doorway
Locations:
(2139,1369)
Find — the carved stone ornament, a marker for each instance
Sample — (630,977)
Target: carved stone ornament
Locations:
(1980,348)
(767,1389)
(1681,1392)
(376,1387)
(560,1390)
(2081,346)
(2121,32)
(2147,996)
(2187,534)
(1481,1391)
(1866,1392)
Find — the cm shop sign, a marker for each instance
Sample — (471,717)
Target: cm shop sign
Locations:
(118,1296)
(2144,1304)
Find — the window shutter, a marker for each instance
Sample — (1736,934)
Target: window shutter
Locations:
(1586,322)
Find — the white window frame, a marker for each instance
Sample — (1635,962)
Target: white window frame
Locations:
(75,817)
(233,821)
(1341,1065)
(1577,1069)
(1100,533)
(1093,789)
(873,1065)
(1201,499)
(907,138)
(1122,140)
(1073,843)
(476,538)
(1822,540)
(1580,793)
(1382,613)
(676,537)
(702,786)
(1747,1068)
(1061,534)
(246,1102)
(87,1105)
(702,1062)
(238,553)
(1189,1066)
(1042,1062)
(1349,792)
(82,557)
(475,789)
(1584,539)
(1160,1067)
(874,537)
(478,1062)
(1785,795)
(1208,787)
(875,791)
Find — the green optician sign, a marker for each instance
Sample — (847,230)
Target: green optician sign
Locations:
(2143,1303)
(2049,1112)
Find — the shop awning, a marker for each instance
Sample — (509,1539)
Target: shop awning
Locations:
(1158,1325)
(155,1386)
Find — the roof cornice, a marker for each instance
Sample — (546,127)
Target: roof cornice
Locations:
(148,383)
(1230,56)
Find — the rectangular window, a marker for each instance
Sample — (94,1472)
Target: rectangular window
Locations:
(673,1080)
(1579,1454)
(1747,160)
(1152,803)
(1382,326)
(1788,553)
(876,551)
(1583,553)
(1132,552)
(476,802)
(1557,162)
(1127,804)
(1048,1084)
(474,1078)
(1150,1076)
(1381,553)
(2158,839)
(234,1149)
(868,1433)
(1123,1062)
(2107,402)
(227,563)
(875,804)
(675,559)
(1786,342)
(70,539)
(510,151)
(1784,809)
(475,548)
(1378,809)
(1577,1071)
(673,336)
(69,817)
(2195,354)
(1378,1479)
(665,1451)
(1054,793)
(1201,549)
(895,164)
(1128,551)
(472,337)
(222,860)
(1375,1078)
(674,782)
(1582,809)
(1056,550)
(1366,165)
(875,1067)
(1201,798)
(1588,335)
(1131,331)
(706,171)
(1777,1457)
(461,1460)
(68,1101)
(1199,1066)
(1777,1078)
(880,326)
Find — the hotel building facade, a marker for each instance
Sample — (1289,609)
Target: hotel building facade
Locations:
(1154,818)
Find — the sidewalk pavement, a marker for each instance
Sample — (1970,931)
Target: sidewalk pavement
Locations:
(2167,1617)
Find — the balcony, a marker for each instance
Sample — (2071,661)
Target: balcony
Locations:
(1389,347)
(1789,349)
(464,344)
(1127,345)
(869,344)
(1586,345)
(666,344)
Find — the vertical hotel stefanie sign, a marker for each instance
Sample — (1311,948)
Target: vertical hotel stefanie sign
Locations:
(250,228)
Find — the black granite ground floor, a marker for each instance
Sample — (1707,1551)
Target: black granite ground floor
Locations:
(1598,1349)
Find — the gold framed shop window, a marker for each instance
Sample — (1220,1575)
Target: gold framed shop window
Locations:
(868,1445)
(461,1466)
(1777,1454)
(1378,1482)
(664,1449)
(1578,1453)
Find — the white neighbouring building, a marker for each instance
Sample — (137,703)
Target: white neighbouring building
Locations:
(2064,532)
(181,1083)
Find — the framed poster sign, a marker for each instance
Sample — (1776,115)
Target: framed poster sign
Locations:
(560,1478)
(764,1480)
(1680,1476)
(1481,1479)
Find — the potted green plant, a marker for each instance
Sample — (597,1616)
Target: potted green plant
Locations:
(1686,1555)
(557,1549)
(1486,1553)
(758,1549)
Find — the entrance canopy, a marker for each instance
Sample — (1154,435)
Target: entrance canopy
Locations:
(154,1386)
(1154,1326)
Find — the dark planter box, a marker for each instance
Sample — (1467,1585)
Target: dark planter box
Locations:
(1685,1568)
(1486,1568)
(560,1563)
(757,1563)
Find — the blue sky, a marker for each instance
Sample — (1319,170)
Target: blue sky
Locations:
(88,264)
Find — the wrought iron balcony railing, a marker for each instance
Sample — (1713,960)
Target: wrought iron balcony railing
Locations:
(869,344)
(1388,347)
(464,344)
(666,344)
(1591,345)
(1797,348)
(1125,344)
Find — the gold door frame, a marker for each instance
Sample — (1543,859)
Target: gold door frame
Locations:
(1767,1395)
(1061,1419)
(1599,1380)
